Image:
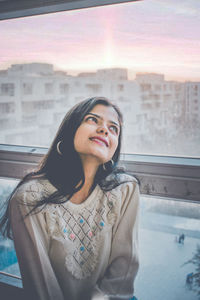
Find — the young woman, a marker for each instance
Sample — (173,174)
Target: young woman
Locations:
(74,220)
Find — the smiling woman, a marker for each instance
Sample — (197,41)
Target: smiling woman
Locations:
(71,218)
(101,127)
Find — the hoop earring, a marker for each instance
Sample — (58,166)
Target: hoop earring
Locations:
(104,167)
(57,147)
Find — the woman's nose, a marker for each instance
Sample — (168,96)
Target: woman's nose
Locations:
(102,129)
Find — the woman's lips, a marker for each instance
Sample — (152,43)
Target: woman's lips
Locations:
(99,140)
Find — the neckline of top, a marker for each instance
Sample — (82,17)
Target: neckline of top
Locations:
(93,195)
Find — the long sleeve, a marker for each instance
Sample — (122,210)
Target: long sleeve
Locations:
(31,244)
(118,280)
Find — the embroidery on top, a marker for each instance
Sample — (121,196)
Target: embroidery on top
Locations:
(82,231)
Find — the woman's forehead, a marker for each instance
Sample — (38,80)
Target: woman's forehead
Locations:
(106,112)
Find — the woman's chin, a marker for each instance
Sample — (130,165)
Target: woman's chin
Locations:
(100,157)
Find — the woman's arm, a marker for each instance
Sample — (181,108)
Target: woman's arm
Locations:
(32,243)
(118,280)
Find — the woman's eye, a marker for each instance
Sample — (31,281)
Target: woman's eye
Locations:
(114,128)
(93,119)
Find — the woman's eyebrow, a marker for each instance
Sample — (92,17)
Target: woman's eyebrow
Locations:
(99,117)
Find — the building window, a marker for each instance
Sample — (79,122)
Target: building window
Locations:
(7,108)
(48,88)
(7,89)
(64,88)
(157,87)
(27,88)
(38,105)
(195,87)
(145,87)
(95,88)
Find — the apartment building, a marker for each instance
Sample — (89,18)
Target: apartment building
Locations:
(34,98)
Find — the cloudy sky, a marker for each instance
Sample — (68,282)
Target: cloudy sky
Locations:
(161,36)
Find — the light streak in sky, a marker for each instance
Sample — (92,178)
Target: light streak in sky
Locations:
(160,36)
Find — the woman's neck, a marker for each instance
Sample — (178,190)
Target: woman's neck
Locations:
(90,168)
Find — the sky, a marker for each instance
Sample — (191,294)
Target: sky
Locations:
(160,36)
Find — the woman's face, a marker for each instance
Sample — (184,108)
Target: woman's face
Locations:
(98,134)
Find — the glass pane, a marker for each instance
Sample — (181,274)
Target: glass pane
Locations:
(143,55)
(169,237)
(8,258)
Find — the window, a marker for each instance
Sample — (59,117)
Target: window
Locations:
(157,87)
(112,51)
(195,87)
(48,88)
(64,88)
(27,88)
(43,105)
(145,87)
(95,88)
(7,108)
(7,89)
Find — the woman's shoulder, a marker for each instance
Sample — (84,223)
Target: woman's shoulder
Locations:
(125,178)
(125,193)
(123,183)
(122,179)
(32,190)
(34,185)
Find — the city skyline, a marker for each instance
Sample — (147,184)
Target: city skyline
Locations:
(145,36)
(160,116)
(80,73)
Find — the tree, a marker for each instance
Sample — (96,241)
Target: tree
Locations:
(196,276)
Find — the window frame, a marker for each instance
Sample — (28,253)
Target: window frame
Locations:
(160,176)
(24,8)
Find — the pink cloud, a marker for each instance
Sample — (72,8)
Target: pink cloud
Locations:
(132,33)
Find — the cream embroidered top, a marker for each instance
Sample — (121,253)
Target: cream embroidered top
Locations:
(77,251)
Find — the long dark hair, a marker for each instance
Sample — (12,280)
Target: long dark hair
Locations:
(65,171)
